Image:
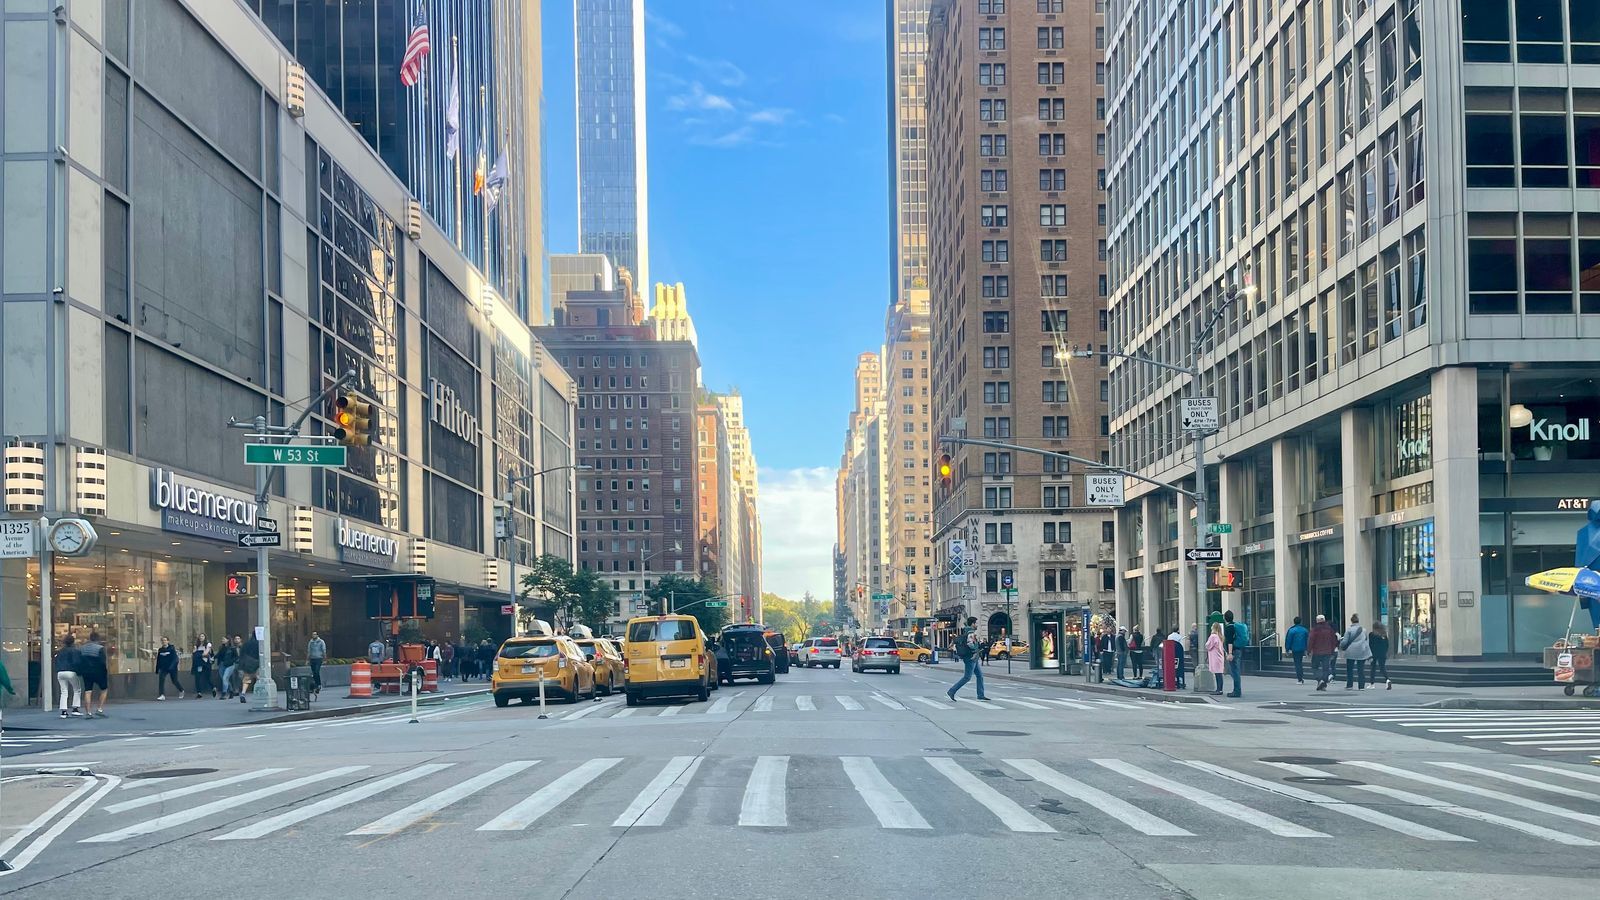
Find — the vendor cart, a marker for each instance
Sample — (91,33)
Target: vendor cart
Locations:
(1574,666)
(1572,659)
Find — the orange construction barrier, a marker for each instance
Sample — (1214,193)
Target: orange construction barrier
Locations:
(430,676)
(360,681)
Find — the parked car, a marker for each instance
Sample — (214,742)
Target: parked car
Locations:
(820,652)
(523,661)
(667,656)
(747,654)
(780,653)
(876,653)
(910,652)
(1019,649)
(607,662)
(794,652)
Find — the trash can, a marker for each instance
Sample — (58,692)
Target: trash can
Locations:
(298,697)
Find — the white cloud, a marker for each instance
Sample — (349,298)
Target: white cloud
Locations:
(735,138)
(771,115)
(721,71)
(699,98)
(663,26)
(797,524)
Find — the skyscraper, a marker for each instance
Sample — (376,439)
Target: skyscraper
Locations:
(613,191)
(908,151)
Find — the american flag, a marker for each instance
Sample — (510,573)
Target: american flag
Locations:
(416,50)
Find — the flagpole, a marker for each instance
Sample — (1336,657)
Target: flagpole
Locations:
(455,59)
(483,206)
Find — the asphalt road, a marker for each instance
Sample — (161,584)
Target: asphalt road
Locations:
(826,782)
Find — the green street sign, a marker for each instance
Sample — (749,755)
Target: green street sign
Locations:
(716,604)
(1220,528)
(293,455)
(883,596)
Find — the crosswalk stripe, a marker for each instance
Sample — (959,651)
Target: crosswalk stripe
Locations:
(848,702)
(194,813)
(981,704)
(590,709)
(671,710)
(1355,811)
(1503,797)
(804,704)
(1465,812)
(763,704)
(1025,704)
(933,703)
(1581,776)
(653,804)
(1545,743)
(1515,779)
(1062,701)
(202,787)
(1004,808)
(1210,801)
(1122,703)
(548,797)
(1115,807)
(886,701)
(1474,735)
(329,804)
(722,703)
(765,804)
(888,804)
(625,712)
(416,812)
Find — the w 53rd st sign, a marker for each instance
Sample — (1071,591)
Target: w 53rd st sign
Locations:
(294,455)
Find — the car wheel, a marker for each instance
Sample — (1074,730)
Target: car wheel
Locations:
(633,699)
(501,701)
(766,679)
(897,670)
(705,692)
(836,665)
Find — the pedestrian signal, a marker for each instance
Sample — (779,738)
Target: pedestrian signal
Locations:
(1226,578)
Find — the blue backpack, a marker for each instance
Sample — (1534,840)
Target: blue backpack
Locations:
(1241,635)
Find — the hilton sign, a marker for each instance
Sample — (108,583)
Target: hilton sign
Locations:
(447,411)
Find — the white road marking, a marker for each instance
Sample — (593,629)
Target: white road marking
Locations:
(329,804)
(653,804)
(888,804)
(933,703)
(886,701)
(591,709)
(804,704)
(1503,797)
(1025,704)
(195,813)
(848,702)
(1122,703)
(1004,808)
(671,710)
(1115,807)
(427,806)
(1517,780)
(625,712)
(765,803)
(1062,701)
(763,704)
(1473,734)
(981,704)
(43,841)
(38,822)
(1355,811)
(548,797)
(1210,801)
(1581,776)
(722,703)
(200,788)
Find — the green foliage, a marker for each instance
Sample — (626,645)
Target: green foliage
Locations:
(687,595)
(798,619)
(411,632)
(578,596)
(474,633)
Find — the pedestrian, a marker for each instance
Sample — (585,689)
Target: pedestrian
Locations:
(5,683)
(1294,641)
(1136,652)
(1356,653)
(1215,655)
(1378,640)
(967,652)
(227,663)
(167,667)
(376,651)
(1122,652)
(95,670)
(250,666)
(1323,643)
(200,669)
(447,659)
(209,655)
(316,652)
(1177,652)
(67,661)
(1236,638)
(485,658)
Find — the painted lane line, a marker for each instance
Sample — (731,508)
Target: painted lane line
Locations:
(1122,703)
(765,803)
(722,703)
(804,703)
(1510,735)
(22,834)
(1062,701)
(329,804)
(1380,819)
(195,813)
(1517,780)
(548,797)
(1210,801)
(21,860)
(1503,797)
(1025,704)
(625,712)
(981,704)
(400,820)
(1465,812)
(1581,776)
(654,804)
(591,709)
(1004,808)
(1115,807)
(75,764)
(671,710)
(1546,744)
(933,703)
(763,704)
(848,702)
(200,788)
(888,804)
(887,701)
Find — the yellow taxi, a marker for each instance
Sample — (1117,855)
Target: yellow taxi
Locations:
(666,656)
(1019,649)
(523,661)
(910,652)
(607,662)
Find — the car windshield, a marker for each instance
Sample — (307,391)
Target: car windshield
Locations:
(828,642)
(543,650)
(661,630)
(880,643)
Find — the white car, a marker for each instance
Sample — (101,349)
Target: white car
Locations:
(820,652)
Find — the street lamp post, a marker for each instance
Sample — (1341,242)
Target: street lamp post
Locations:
(644,562)
(511,530)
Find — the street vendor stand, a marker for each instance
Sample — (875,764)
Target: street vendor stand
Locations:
(1572,659)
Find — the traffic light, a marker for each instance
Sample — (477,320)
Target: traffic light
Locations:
(1226,578)
(353,418)
(947,471)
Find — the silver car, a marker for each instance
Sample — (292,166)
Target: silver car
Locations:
(877,653)
(820,652)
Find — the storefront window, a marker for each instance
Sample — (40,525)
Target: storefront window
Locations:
(1260,596)
(1539,541)
(1410,444)
(1552,417)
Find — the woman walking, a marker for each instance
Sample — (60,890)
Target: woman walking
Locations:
(1356,653)
(67,662)
(1214,655)
(200,668)
(1378,640)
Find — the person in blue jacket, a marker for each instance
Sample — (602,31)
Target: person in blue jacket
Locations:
(1294,641)
(1587,556)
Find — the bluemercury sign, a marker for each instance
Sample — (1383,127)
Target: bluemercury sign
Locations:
(447,411)
(202,511)
(365,548)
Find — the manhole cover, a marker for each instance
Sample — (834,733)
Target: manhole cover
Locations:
(1182,726)
(1000,733)
(1255,721)
(1301,760)
(967,750)
(1294,704)
(1323,779)
(169,773)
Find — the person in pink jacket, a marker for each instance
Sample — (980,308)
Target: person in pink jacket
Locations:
(1214,655)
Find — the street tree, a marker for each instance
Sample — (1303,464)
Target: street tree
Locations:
(687,595)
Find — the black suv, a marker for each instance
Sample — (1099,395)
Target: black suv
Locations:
(746,655)
(780,653)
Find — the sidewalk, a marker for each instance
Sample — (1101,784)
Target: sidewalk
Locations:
(174,715)
(1266,689)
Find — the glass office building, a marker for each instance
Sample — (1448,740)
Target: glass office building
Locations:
(613,191)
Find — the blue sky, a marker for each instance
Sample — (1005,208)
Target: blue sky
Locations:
(769,201)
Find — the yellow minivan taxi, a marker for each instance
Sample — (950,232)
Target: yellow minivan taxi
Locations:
(666,657)
(522,661)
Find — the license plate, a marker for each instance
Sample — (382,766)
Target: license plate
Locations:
(678,663)
(528,670)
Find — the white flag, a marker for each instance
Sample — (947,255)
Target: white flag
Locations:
(452,117)
(495,183)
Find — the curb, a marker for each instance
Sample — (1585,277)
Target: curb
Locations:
(1093,688)
(1510,703)
(332,712)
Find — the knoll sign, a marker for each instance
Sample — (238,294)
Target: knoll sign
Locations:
(365,548)
(1548,432)
(190,508)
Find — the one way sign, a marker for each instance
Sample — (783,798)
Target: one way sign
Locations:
(1204,554)
(266,539)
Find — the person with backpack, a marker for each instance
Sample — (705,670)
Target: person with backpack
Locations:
(1295,641)
(1177,653)
(967,651)
(1357,651)
(1235,637)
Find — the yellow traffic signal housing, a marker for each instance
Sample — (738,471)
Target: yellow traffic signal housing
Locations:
(354,420)
(946,471)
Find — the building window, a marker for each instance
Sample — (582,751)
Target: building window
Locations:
(994,7)
(1057,532)
(991,145)
(1417,279)
(1051,38)
(1539,31)
(1392,302)
(1053,286)
(1389,146)
(997,357)
(1542,124)
(1053,144)
(994,216)
(996,251)
(1492,264)
(1490,146)
(997,392)
(995,286)
(991,74)
(1053,251)
(992,181)
(1058,497)
(1052,109)
(996,322)
(1052,73)
(997,426)
(1052,215)
(1053,320)
(1052,179)
(992,110)
(997,464)
(1547,263)
(1415,167)
(1049,6)
(1055,426)
(997,498)
(1054,391)
(991,38)
(1486,30)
